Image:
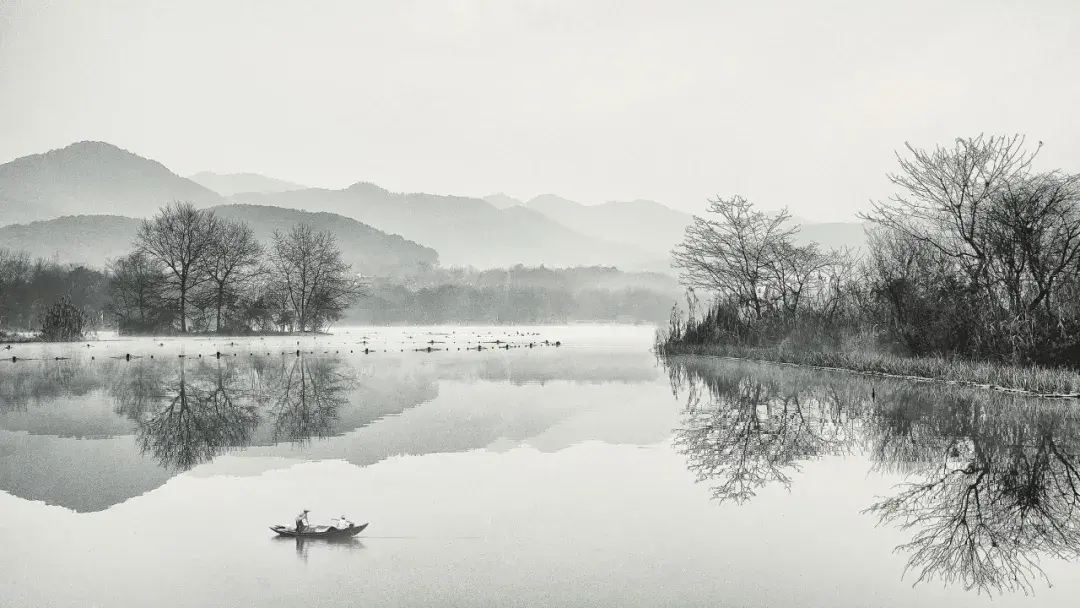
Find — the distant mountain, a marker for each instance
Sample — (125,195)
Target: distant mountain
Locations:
(228,184)
(652,226)
(82,239)
(644,224)
(101,181)
(502,201)
(91,178)
(467,231)
(93,240)
(369,250)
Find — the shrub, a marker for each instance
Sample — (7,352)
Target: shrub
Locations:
(63,322)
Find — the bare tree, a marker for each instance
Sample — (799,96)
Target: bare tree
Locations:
(946,195)
(136,284)
(766,286)
(180,237)
(733,256)
(232,261)
(974,232)
(1034,238)
(307,267)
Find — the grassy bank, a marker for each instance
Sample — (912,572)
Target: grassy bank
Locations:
(1000,376)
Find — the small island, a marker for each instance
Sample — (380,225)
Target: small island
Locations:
(971,275)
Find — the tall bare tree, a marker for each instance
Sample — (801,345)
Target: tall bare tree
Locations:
(307,267)
(946,195)
(1033,236)
(233,261)
(733,255)
(180,237)
(1005,249)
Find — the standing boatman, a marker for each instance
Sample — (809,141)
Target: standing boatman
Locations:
(301,521)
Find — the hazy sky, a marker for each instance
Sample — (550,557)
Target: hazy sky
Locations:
(788,103)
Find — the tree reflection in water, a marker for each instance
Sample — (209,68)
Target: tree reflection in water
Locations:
(44,381)
(993,484)
(995,489)
(747,432)
(303,397)
(187,413)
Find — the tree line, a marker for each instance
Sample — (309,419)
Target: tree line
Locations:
(977,256)
(31,289)
(193,271)
(190,270)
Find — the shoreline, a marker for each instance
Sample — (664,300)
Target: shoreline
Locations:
(1030,381)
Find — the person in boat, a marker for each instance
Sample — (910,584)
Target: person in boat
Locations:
(301,521)
(344,523)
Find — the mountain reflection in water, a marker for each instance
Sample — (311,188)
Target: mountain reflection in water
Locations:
(189,412)
(992,480)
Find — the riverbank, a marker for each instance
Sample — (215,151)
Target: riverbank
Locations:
(29,337)
(18,337)
(1032,380)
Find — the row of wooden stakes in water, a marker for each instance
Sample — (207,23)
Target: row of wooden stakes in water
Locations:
(298,352)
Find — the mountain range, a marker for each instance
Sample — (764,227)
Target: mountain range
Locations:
(94,240)
(228,184)
(502,201)
(467,231)
(648,224)
(83,202)
(91,178)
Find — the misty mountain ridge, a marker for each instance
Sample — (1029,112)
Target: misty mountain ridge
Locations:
(90,177)
(96,178)
(91,240)
(369,250)
(94,240)
(466,231)
(643,223)
(228,184)
(502,201)
(660,228)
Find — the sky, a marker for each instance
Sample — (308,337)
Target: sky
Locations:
(796,104)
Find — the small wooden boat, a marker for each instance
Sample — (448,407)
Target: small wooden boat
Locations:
(320,531)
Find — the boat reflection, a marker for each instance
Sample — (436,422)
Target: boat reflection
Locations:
(303,545)
(993,480)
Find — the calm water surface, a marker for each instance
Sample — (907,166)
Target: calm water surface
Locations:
(584,474)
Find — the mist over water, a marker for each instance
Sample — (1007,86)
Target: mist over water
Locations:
(585,474)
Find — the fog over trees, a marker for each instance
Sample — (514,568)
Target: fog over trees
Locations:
(198,270)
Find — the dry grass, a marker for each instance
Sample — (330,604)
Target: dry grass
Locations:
(1030,379)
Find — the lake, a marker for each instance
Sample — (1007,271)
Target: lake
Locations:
(147,471)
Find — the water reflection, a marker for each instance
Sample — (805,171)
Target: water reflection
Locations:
(46,381)
(303,396)
(993,484)
(996,487)
(189,412)
(303,545)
